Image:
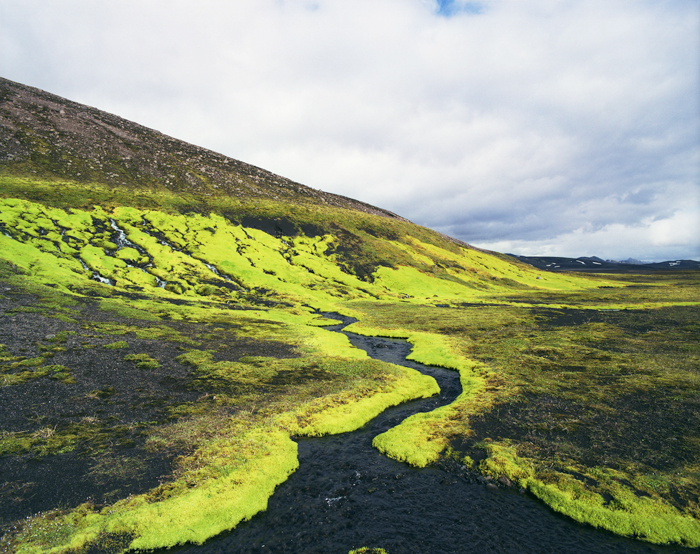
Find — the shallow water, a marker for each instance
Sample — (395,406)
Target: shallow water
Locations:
(346,495)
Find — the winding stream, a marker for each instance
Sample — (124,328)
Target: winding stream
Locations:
(346,495)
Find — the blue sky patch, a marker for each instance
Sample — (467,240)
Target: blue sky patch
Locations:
(448,8)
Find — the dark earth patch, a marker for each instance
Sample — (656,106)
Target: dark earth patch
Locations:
(83,438)
(281,226)
(598,417)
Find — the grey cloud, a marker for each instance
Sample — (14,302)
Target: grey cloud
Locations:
(529,124)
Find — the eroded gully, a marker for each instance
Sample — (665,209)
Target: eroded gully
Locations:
(346,495)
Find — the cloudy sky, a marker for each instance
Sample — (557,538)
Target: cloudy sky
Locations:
(551,127)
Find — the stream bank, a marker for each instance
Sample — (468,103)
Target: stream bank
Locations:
(346,495)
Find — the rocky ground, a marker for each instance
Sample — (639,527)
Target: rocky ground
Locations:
(79,399)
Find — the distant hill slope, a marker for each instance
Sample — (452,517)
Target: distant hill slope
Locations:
(595,264)
(54,137)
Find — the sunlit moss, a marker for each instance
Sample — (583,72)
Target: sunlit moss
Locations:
(142,361)
(117,344)
(347,411)
(624,513)
(484,315)
(250,467)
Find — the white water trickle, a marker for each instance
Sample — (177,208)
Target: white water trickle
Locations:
(96,275)
(333,501)
(121,240)
(217,272)
(212,269)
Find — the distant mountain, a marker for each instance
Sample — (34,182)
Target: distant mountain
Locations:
(595,264)
(628,261)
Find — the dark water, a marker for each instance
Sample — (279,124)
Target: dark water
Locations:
(346,495)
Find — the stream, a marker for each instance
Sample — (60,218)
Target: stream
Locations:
(346,495)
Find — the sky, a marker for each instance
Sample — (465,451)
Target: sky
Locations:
(538,127)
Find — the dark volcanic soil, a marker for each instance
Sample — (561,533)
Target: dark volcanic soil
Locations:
(346,495)
(108,401)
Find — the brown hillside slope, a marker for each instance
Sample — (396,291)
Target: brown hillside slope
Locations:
(44,134)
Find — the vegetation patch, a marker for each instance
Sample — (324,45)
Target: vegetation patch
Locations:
(581,389)
(142,361)
(116,345)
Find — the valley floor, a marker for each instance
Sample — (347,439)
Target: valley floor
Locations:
(155,368)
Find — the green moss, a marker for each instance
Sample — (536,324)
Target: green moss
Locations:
(522,375)
(345,412)
(251,466)
(14,443)
(126,311)
(60,373)
(29,362)
(117,344)
(61,336)
(88,438)
(299,269)
(625,513)
(17,370)
(143,361)
(160,332)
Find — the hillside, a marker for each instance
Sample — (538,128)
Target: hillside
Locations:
(52,137)
(163,344)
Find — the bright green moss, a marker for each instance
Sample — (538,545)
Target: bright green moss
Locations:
(88,438)
(252,465)
(346,412)
(143,361)
(117,344)
(299,269)
(125,310)
(625,514)
(60,373)
(390,275)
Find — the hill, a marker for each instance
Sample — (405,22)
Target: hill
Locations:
(162,344)
(50,136)
(598,265)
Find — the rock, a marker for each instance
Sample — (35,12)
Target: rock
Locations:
(491,486)
(503,480)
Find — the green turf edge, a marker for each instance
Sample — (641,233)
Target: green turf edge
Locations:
(193,515)
(202,512)
(334,418)
(421,439)
(626,514)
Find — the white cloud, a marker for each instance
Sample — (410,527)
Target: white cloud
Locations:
(664,238)
(525,123)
